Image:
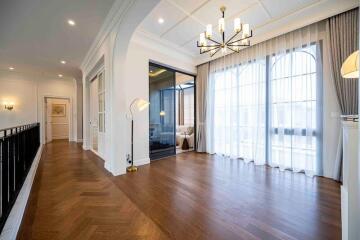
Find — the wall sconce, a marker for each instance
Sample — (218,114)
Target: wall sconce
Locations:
(9,105)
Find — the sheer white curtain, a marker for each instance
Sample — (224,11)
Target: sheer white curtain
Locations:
(295,126)
(237,113)
(283,76)
(189,106)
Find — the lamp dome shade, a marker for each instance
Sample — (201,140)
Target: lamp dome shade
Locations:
(350,67)
(140,104)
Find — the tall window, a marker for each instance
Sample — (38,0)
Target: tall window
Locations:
(267,111)
(237,111)
(293,108)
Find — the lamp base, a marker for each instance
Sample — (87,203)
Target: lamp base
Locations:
(131,169)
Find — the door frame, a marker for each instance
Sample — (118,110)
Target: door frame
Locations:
(91,148)
(174,70)
(43,123)
(87,144)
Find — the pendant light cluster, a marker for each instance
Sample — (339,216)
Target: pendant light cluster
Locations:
(239,39)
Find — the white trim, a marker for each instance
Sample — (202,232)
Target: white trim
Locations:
(117,11)
(107,167)
(96,70)
(79,140)
(148,39)
(44,115)
(13,222)
(61,137)
(85,147)
(59,123)
(96,153)
(143,161)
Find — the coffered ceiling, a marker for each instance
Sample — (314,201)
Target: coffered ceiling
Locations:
(185,19)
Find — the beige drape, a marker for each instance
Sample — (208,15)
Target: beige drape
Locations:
(343,39)
(201,102)
(180,107)
(342,34)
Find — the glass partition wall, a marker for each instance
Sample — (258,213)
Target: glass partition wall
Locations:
(171,111)
(185,112)
(161,112)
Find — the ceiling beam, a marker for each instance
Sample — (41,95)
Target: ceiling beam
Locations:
(188,15)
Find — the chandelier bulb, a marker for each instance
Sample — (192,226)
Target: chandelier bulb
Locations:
(208,31)
(237,25)
(221,25)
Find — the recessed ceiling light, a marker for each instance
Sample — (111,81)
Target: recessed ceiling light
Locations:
(161,20)
(63,62)
(71,22)
(60,75)
(11,68)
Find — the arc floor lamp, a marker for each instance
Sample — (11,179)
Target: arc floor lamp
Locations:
(350,67)
(137,105)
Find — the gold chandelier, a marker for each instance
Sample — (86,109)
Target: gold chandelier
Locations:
(233,43)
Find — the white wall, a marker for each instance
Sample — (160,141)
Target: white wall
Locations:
(28,92)
(23,92)
(140,53)
(126,77)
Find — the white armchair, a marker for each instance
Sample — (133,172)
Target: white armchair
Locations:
(181,132)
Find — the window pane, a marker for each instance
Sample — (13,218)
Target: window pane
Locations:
(293,110)
(101,102)
(101,122)
(238,96)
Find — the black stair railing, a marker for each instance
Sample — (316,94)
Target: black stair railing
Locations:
(18,148)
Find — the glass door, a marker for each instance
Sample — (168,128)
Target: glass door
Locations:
(161,112)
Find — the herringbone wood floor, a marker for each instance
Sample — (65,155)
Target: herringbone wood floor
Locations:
(190,196)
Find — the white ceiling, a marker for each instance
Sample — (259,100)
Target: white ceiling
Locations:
(185,19)
(35,36)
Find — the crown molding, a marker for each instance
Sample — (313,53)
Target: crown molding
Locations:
(141,34)
(116,13)
(148,39)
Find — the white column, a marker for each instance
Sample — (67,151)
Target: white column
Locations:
(86,133)
(350,188)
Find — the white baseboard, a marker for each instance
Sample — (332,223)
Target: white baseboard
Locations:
(61,138)
(114,173)
(107,166)
(143,161)
(13,222)
(85,147)
(97,154)
(79,140)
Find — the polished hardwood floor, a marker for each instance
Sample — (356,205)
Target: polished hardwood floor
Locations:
(190,196)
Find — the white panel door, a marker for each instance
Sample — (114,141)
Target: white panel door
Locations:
(94,111)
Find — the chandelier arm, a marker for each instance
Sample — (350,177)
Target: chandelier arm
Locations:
(197,44)
(239,45)
(229,47)
(212,40)
(251,34)
(232,38)
(208,50)
(212,54)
